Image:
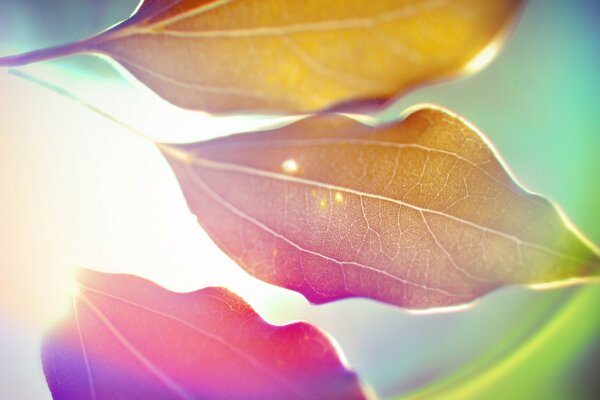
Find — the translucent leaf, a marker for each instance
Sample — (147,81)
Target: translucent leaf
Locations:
(419,213)
(288,55)
(128,338)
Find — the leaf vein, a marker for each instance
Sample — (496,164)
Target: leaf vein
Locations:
(215,165)
(220,200)
(254,362)
(308,27)
(149,365)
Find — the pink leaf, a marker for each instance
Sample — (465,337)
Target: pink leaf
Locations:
(128,338)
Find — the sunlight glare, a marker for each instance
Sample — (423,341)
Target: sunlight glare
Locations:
(482,59)
(290,166)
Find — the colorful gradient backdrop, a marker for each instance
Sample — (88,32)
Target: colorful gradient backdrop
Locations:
(77,190)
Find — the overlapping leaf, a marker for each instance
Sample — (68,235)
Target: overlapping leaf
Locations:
(128,338)
(418,213)
(288,55)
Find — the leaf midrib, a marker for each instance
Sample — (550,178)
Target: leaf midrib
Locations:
(224,166)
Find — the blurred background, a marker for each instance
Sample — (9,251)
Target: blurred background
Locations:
(76,190)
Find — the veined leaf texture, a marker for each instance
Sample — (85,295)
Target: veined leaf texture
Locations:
(296,56)
(418,213)
(128,338)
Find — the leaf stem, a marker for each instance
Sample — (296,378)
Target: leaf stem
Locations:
(46,54)
(65,93)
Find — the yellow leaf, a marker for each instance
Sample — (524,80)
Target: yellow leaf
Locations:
(289,55)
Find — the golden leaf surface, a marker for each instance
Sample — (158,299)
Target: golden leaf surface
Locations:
(289,55)
(419,213)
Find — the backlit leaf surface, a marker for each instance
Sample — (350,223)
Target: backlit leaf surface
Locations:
(289,55)
(418,213)
(128,338)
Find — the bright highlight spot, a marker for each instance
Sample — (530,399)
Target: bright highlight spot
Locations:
(290,166)
(339,197)
(484,57)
